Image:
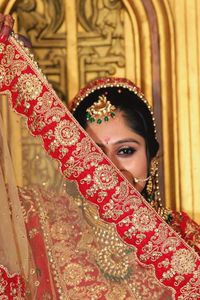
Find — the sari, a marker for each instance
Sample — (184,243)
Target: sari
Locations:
(100,239)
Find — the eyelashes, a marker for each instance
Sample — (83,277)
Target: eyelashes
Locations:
(126,151)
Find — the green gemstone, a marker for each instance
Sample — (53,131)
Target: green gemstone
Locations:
(92,120)
(99,121)
(112,114)
(169,218)
(106,119)
(150,198)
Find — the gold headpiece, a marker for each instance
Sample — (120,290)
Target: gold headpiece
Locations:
(100,110)
(109,82)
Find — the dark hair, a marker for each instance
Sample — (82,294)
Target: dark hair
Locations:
(135,111)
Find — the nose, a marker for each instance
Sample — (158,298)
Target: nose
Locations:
(125,172)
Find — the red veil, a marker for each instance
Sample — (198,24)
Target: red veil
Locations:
(176,265)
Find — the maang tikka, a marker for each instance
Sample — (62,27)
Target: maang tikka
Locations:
(100,110)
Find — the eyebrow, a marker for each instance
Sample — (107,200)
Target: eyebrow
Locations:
(130,140)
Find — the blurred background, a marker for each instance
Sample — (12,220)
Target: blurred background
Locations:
(155,43)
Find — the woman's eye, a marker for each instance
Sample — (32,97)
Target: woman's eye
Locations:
(126,151)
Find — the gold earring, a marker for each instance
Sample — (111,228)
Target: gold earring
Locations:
(153,172)
(152,187)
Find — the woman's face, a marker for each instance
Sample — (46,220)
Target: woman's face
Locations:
(125,148)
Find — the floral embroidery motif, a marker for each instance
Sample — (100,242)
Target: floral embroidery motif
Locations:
(29,88)
(183,262)
(105,177)
(82,158)
(144,220)
(66,133)
(73,274)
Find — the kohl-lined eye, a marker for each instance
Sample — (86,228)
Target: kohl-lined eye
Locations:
(125,151)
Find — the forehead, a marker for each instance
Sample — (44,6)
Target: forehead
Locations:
(114,129)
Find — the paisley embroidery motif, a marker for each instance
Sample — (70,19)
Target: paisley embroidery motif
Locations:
(82,158)
(121,201)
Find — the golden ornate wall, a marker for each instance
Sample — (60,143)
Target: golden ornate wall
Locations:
(155,43)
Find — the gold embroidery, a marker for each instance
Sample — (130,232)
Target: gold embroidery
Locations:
(1,47)
(9,66)
(33,232)
(144,220)
(66,133)
(121,202)
(192,233)
(82,157)
(73,247)
(60,230)
(44,113)
(74,274)
(183,262)
(29,88)
(114,262)
(93,291)
(112,255)
(118,294)
(44,103)
(191,289)
(2,74)
(3,283)
(105,177)
(54,115)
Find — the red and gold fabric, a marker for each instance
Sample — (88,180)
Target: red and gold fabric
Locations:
(175,263)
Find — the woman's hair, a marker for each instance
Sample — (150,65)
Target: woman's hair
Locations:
(136,113)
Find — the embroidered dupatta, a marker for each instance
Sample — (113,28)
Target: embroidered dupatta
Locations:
(175,263)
